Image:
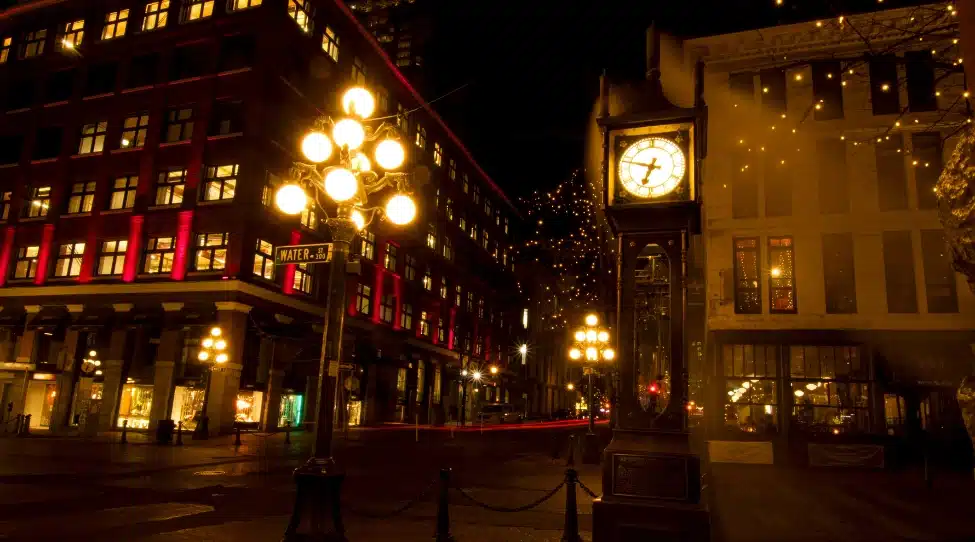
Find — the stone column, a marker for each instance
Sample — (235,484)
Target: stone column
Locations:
(170,350)
(61,412)
(272,400)
(232,317)
(112,375)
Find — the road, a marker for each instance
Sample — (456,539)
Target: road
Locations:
(66,489)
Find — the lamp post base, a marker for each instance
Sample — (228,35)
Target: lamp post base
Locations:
(202,431)
(317,514)
(591,454)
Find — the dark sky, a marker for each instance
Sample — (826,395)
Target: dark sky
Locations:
(531,67)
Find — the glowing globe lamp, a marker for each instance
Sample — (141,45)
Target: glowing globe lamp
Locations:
(316,147)
(359,102)
(360,162)
(400,209)
(592,320)
(348,133)
(390,154)
(358,219)
(341,185)
(575,354)
(291,199)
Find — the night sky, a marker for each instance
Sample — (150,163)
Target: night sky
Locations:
(531,67)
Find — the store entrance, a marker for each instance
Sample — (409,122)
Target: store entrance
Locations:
(40,402)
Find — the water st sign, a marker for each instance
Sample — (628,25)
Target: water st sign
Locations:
(293,254)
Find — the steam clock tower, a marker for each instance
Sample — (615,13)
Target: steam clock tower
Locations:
(652,154)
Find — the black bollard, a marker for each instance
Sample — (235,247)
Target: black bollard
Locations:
(26,430)
(19,425)
(237,436)
(570,533)
(443,512)
(287,433)
(179,434)
(125,427)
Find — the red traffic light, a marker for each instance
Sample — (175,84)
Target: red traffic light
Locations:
(652,388)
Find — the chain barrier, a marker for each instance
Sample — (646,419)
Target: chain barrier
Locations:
(588,491)
(529,506)
(409,504)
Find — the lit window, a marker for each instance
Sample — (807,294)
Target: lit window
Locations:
(448,249)
(300,11)
(156,15)
(432,238)
(170,187)
(524,318)
(179,125)
(40,202)
(111,257)
(406,316)
(68,263)
(368,247)
(480,308)
(303,279)
(428,280)
(421,136)
(452,169)
(387,307)
(462,223)
(748,293)
(443,288)
(134,130)
(115,24)
(389,258)
(437,154)
(467,184)
(457,295)
(264,260)
(424,324)
(159,255)
(402,121)
(474,232)
(441,332)
(506,225)
(330,43)
(221,183)
(449,210)
(487,207)
(123,192)
(470,301)
(71,35)
(92,137)
(237,5)
(477,194)
(309,219)
(26,265)
(484,240)
(5,45)
(409,271)
(782,282)
(363,299)
(197,9)
(5,198)
(358,71)
(211,251)
(82,197)
(33,44)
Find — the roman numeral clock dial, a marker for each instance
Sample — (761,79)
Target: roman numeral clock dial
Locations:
(652,167)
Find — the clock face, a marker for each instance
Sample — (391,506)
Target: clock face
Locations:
(652,167)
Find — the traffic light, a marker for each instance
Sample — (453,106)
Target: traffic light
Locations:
(652,388)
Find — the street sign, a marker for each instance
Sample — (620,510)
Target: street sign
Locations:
(292,254)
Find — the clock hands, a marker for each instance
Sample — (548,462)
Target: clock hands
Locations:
(650,167)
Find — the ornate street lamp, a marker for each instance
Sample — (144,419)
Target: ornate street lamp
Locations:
(90,364)
(212,352)
(591,347)
(340,170)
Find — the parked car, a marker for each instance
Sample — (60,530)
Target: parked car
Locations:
(562,414)
(499,413)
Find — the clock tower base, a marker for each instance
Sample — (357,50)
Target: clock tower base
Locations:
(651,490)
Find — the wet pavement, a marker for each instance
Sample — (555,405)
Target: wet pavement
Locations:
(68,489)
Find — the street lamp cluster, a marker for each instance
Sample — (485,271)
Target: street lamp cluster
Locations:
(351,178)
(213,350)
(91,364)
(592,343)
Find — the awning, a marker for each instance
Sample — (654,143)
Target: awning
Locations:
(48,319)
(92,319)
(11,317)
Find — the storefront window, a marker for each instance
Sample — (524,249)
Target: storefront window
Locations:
(92,403)
(135,406)
(291,410)
(249,404)
(40,402)
(187,404)
(836,407)
(894,413)
(355,413)
(751,406)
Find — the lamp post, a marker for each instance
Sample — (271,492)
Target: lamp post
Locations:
(212,351)
(340,170)
(590,347)
(473,376)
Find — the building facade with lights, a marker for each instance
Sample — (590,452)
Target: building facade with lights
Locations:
(142,143)
(833,313)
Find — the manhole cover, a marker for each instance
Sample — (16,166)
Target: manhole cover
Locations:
(209,473)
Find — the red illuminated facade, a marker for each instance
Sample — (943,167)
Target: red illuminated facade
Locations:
(140,147)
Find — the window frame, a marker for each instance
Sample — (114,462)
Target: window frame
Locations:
(155,15)
(112,251)
(218,178)
(175,192)
(118,24)
(363,299)
(136,133)
(211,253)
(71,36)
(303,14)
(183,125)
(756,290)
(188,7)
(29,255)
(166,256)
(40,198)
(330,43)
(32,45)
(263,261)
(92,138)
(69,258)
(303,280)
(81,200)
(128,192)
(790,250)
